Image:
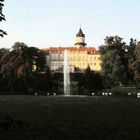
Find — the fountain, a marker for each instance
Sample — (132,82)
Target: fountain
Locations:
(66,74)
(67,77)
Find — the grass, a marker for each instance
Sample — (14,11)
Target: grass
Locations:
(75,118)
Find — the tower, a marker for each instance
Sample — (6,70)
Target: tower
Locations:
(80,39)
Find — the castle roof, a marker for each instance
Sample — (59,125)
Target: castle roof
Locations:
(80,33)
(90,50)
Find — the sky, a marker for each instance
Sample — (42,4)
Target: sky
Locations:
(53,23)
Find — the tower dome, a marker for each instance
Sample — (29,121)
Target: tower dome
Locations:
(80,39)
(80,33)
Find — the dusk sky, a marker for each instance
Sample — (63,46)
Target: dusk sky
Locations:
(49,23)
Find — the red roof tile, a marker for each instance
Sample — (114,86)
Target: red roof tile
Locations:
(61,49)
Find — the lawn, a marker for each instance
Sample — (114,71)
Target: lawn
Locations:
(75,118)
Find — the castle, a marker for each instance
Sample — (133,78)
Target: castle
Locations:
(80,56)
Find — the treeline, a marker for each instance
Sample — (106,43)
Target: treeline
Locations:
(23,69)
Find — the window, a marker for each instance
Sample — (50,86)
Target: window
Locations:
(47,57)
(62,57)
(56,57)
(91,58)
(52,57)
(99,58)
(71,58)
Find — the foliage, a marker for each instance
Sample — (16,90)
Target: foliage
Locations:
(92,81)
(20,66)
(2,17)
(134,64)
(115,60)
(44,81)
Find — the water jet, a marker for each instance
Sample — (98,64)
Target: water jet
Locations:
(66,74)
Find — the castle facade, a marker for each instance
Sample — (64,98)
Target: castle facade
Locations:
(80,56)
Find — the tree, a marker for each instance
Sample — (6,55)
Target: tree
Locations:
(97,81)
(88,77)
(92,80)
(134,64)
(114,61)
(131,57)
(44,81)
(3,52)
(2,17)
(17,67)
